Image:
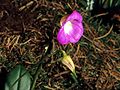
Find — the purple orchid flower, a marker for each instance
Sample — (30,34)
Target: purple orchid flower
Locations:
(71,29)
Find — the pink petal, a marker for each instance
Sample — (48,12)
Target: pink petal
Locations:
(75,15)
(61,37)
(76,33)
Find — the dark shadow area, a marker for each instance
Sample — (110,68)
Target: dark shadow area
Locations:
(3,74)
(112,17)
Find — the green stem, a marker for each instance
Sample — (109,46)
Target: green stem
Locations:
(43,57)
(36,75)
(38,69)
(74,76)
(64,54)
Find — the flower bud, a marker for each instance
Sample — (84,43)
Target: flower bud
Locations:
(67,61)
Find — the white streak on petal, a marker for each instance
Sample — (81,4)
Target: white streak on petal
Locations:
(68,27)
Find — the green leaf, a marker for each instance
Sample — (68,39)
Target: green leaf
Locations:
(18,79)
(110,3)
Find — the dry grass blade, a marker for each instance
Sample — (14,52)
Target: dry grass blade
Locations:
(105,34)
(26,6)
